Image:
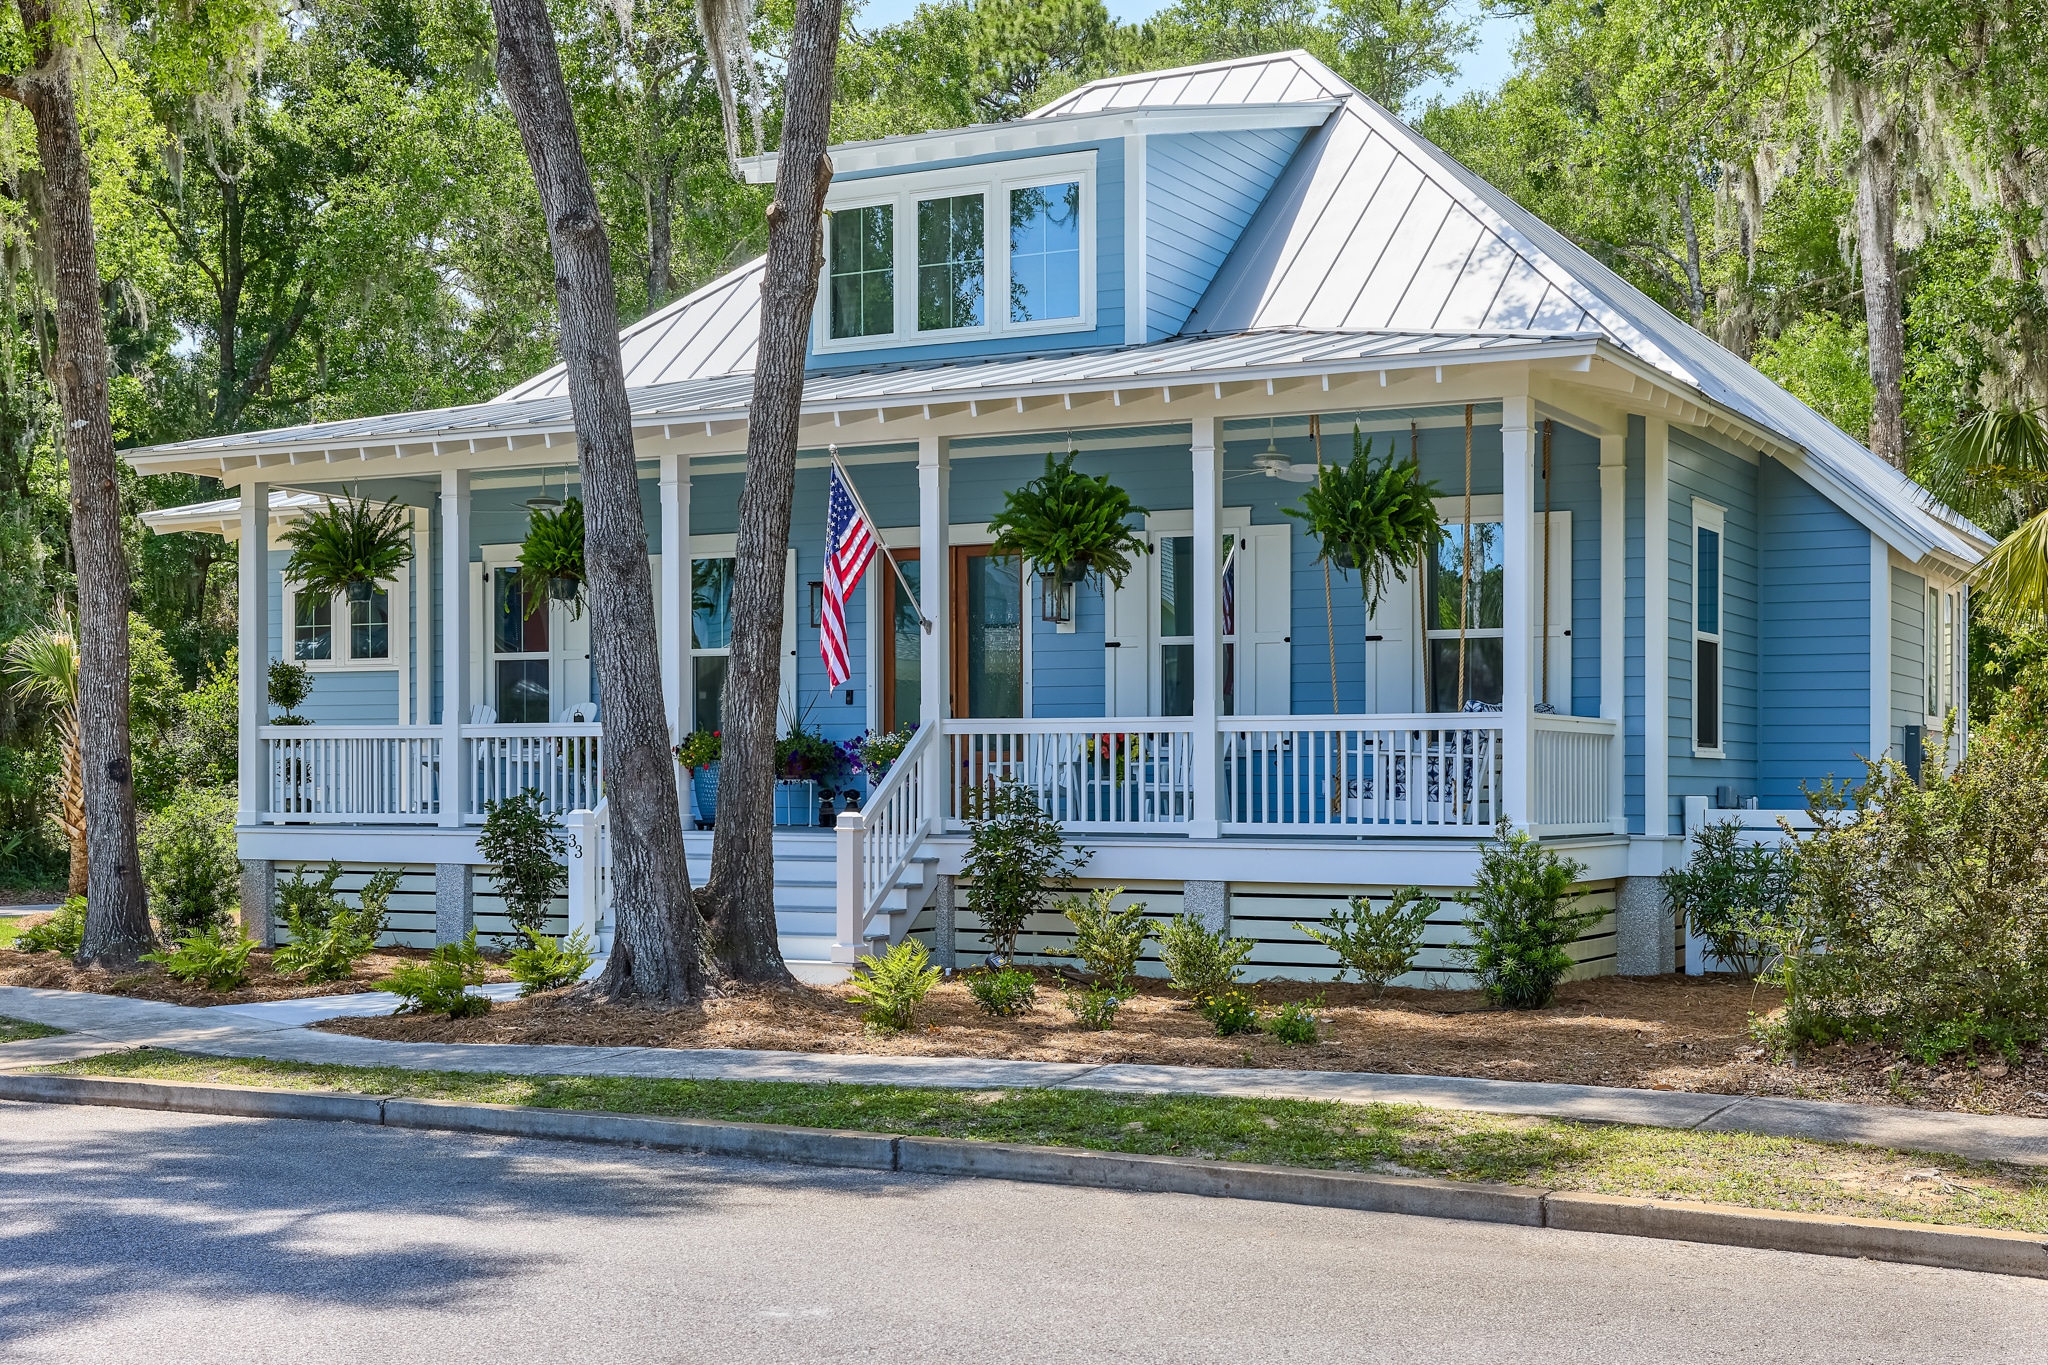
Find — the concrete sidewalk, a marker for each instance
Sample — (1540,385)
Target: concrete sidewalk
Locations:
(106,1023)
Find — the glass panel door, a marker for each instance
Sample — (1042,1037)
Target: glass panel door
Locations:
(1176,621)
(710,637)
(1483,602)
(988,620)
(903,652)
(519,649)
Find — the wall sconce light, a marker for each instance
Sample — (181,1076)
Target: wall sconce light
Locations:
(1055,601)
(817,605)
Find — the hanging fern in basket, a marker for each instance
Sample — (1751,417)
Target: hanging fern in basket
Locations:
(1069,525)
(348,541)
(551,559)
(1374,518)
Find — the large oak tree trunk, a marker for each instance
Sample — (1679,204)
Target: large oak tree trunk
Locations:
(655,954)
(1877,211)
(741,892)
(117,928)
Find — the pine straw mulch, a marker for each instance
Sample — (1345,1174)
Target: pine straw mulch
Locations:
(31,895)
(1663,1033)
(54,972)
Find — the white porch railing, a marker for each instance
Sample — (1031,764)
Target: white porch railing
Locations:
(1090,775)
(876,842)
(565,763)
(1572,761)
(350,774)
(1419,774)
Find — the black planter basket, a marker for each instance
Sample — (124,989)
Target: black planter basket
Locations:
(563,588)
(361,590)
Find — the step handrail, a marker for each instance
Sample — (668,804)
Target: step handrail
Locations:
(875,843)
(590,868)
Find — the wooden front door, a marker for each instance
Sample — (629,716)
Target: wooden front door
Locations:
(988,635)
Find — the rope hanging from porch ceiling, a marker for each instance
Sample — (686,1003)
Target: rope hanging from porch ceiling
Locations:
(1315,431)
(1465,571)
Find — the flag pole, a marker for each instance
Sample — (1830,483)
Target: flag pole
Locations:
(854,493)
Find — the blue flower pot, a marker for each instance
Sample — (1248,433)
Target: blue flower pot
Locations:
(704,783)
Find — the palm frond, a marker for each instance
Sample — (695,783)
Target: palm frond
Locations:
(43,662)
(2013,582)
(1993,468)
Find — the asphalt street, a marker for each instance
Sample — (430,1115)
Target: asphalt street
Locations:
(157,1238)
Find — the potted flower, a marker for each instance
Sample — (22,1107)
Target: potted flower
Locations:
(1375,518)
(350,545)
(1069,525)
(699,754)
(552,557)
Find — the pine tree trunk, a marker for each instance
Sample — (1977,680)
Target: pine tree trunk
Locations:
(741,893)
(655,955)
(117,928)
(1877,208)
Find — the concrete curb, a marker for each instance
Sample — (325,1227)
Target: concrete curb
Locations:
(2000,1253)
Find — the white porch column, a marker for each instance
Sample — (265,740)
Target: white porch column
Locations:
(935,662)
(455,629)
(252,682)
(676,587)
(1207,468)
(1656,627)
(1614,611)
(1518,512)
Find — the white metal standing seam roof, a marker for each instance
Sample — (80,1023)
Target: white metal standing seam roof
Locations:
(1373,226)
(1193,361)
(1372,240)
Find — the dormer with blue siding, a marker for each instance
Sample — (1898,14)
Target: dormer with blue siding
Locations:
(1056,233)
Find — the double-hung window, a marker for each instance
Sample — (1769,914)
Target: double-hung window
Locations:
(341,630)
(1466,604)
(710,637)
(1708,525)
(952,255)
(1944,622)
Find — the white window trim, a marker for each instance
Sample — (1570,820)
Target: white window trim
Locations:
(1934,665)
(398,590)
(1234,522)
(1706,516)
(703,547)
(1486,508)
(994,182)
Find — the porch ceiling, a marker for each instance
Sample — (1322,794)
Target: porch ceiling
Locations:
(1175,369)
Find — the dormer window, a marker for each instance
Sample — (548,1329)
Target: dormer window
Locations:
(984,251)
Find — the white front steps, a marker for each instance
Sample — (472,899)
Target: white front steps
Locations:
(806,879)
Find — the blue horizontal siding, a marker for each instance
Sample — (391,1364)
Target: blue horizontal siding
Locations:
(1700,469)
(1200,191)
(1813,689)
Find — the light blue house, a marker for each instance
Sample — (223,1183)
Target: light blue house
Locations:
(1690,593)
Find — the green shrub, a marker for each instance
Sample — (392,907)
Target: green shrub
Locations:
(1376,945)
(1735,896)
(217,957)
(1232,1012)
(547,964)
(1005,993)
(895,985)
(189,862)
(1920,912)
(525,840)
(62,932)
(329,936)
(1297,1022)
(1096,1006)
(1521,918)
(1199,960)
(440,984)
(1106,939)
(1015,852)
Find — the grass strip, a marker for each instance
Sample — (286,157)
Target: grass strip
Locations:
(13,1030)
(1727,1168)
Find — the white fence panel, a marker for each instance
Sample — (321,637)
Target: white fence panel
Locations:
(333,774)
(1344,775)
(1102,775)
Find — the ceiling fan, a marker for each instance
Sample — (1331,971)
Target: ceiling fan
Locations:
(1274,464)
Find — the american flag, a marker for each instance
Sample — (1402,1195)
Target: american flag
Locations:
(849,545)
